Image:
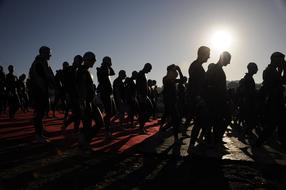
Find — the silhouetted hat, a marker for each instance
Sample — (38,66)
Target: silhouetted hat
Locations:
(88,56)
(44,49)
(276,55)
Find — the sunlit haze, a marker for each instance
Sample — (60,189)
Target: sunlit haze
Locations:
(221,40)
(134,32)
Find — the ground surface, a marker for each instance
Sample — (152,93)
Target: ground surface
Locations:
(133,161)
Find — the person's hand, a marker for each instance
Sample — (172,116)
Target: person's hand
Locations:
(178,68)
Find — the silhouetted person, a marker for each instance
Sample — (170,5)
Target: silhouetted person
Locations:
(61,86)
(119,95)
(153,95)
(86,93)
(145,105)
(182,96)
(272,98)
(197,90)
(170,97)
(131,97)
(42,78)
(248,98)
(72,94)
(2,91)
(105,91)
(216,97)
(11,90)
(22,93)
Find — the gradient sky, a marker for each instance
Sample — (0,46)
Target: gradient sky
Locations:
(133,32)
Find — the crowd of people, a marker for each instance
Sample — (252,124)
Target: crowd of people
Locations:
(201,100)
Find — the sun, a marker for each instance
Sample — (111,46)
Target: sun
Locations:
(221,40)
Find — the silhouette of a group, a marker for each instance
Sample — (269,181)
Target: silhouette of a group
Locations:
(202,99)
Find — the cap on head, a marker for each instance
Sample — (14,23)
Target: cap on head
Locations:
(65,65)
(134,74)
(147,67)
(251,65)
(171,67)
(44,49)
(107,60)
(89,56)
(122,74)
(277,55)
(77,58)
(10,68)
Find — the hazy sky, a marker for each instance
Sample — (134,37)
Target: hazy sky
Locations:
(133,32)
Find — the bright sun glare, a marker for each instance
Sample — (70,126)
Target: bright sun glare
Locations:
(221,40)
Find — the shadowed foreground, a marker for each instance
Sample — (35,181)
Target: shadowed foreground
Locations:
(130,161)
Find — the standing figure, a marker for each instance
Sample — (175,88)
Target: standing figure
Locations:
(119,95)
(86,94)
(197,90)
(131,97)
(11,90)
(145,105)
(2,91)
(170,97)
(216,97)
(41,79)
(272,99)
(248,98)
(105,91)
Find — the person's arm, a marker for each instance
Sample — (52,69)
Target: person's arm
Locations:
(284,73)
(180,72)
(111,71)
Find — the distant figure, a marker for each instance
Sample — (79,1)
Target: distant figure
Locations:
(153,95)
(248,98)
(273,109)
(72,93)
(60,95)
(41,78)
(105,91)
(197,95)
(170,97)
(131,97)
(2,91)
(11,90)
(216,96)
(119,95)
(145,105)
(22,93)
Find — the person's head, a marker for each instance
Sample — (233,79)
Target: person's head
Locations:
(277,59)
(45,52)
(89,59)
(11,68)
(147,68)
(22,77)
(154,82)
(210,66)
(203,54)
(184,80)
(134,74)
(77,61)
(122,74)
(252,68)
(172,71)
(149,82)
(225,58)
(65,65)
(1,68)
(107,61)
